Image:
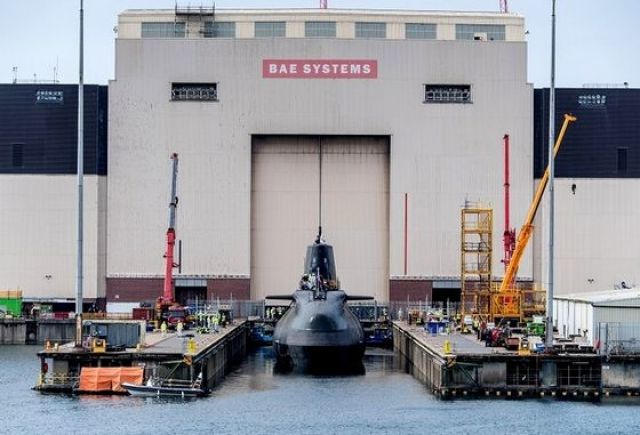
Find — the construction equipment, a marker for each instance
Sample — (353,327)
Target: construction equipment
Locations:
(507,302)
(504,6)
(166,309)
(509,235)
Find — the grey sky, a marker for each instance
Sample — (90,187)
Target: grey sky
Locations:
(596,40)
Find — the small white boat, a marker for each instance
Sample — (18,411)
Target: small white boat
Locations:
(167,387)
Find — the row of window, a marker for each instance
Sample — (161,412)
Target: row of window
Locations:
(323,29)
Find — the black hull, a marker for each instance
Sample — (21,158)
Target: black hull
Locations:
(320,359)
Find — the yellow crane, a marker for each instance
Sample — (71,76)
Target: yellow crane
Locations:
(507,301)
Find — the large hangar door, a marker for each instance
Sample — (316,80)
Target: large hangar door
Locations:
(355,210)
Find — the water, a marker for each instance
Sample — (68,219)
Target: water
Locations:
(254,400)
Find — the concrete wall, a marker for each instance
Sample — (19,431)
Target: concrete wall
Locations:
(12,331)
(596,233)
(441,154)
(621,374)
(38,230)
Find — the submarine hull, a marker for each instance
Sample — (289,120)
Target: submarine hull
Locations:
(315,359)
(319,334)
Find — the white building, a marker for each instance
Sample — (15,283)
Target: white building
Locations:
(606,318)
(401,102)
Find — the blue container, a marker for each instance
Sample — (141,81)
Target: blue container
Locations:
(432,327)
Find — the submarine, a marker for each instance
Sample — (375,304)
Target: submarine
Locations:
(319,332)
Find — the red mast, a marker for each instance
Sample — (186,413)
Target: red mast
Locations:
(167,294)
(509,238)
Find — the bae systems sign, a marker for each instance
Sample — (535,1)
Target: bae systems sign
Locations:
(319,69)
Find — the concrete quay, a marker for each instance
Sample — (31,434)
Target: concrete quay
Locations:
(180,357)
(470,369)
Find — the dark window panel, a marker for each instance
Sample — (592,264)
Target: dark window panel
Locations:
(47,128)
(607,122)
(18,161)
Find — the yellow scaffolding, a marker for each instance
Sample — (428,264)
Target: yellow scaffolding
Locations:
(475,261)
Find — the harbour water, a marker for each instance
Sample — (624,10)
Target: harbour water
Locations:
(255,400)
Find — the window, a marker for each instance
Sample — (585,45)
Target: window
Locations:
(447,93)
(219,29)
(18,155)
(270,29)
(320,29)
(489,32)
(371,30)
(592,100)
(49,97)
(163,30)
(194,92)
(420,31)
(622,160)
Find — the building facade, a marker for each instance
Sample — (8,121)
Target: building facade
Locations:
(597,189)
(262,104)
(38,185)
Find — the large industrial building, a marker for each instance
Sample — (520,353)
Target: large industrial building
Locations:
(400,102)
(394,118)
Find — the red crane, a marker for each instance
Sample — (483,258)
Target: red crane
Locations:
(509,237)
(167,294)
(504,6)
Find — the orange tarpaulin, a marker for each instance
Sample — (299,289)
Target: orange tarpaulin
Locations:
(108,379)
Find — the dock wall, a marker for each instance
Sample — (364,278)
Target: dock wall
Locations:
(560,375)
(20,331)
(217,360)
(12,331)
(426,365)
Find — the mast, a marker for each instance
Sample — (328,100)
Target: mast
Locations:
(319,238)
(552,132)
(80,183)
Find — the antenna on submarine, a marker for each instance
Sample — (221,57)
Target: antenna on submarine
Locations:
(319,238)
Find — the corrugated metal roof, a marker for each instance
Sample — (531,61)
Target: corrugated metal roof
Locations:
(604,296)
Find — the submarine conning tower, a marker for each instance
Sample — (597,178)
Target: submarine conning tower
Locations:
(320,261)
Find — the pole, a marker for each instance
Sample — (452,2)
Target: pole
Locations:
(552,109)
(79,278)
(406,232)
(319,239)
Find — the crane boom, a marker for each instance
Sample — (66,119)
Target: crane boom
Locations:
(167,294)
(527,227)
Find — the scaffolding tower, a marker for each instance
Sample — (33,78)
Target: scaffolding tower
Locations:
(198,20)
(476,259)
